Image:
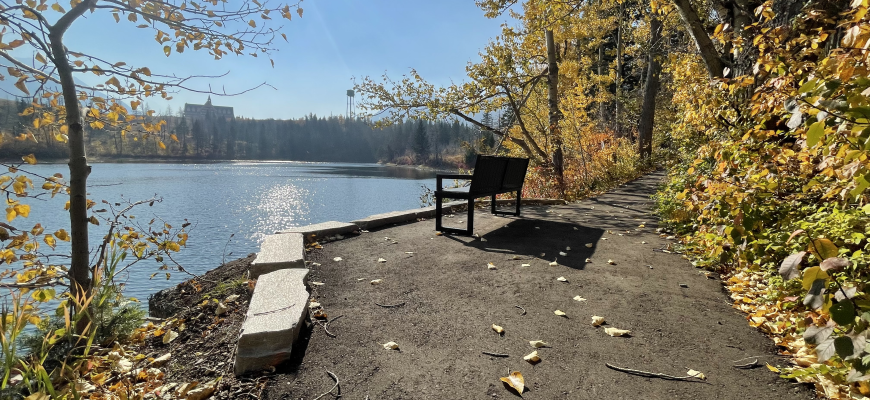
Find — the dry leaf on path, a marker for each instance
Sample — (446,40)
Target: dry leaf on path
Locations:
(562,279)
(538,343)
(169,336)
(497,329)
(533,357)
(576,228)
(313,304)
(491,266)
(317,283)
(391,346)
(588,260)
(696,374)
(560,313)
(616,332)
(589,245)
(611,262)
(336,259)
(597,321)
(563,254)
(376,281)
(554,263)
(526,265)
(381,260)
(515,380)
(578,298)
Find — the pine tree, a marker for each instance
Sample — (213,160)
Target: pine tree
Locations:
(421,143)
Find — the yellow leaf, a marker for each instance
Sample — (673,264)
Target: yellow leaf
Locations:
(616,332)
(49,240)
(497,329)
(21,86)
(40,58)
(538,343)
(560,313)
(162,146)
(299,11)
(93,220)
(167,50)
(515,380)
(22,210)
(30,158)
(771,368)
(62,235)
(811,275)
(597,321)
(169,336)
(533,357)
(252,24)
(173,137)
(696,374)
(391,346)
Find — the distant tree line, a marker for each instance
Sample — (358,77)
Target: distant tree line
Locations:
(312,138)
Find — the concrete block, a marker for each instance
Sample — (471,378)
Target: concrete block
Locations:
(429,212)
(323,229)
(378,220)
(275,316)
(284,250)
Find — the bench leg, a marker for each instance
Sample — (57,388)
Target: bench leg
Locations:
(438,213)
(519,198)
(471,216)
(492,202)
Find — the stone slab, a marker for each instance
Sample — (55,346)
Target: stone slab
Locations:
(284,250)
(323,229)
(275,316)
(378,220)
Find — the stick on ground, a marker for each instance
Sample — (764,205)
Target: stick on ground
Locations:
(337,385)
(646,374)
(524,310)
(391,305)
(495,354)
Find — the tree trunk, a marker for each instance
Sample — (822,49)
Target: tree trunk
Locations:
(619,38)
(648,112)
(708,52)
(555,114)
(79,271)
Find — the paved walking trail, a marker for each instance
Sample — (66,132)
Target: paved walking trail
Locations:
(451,299)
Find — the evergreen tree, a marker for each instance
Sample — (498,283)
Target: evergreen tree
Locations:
(421,143)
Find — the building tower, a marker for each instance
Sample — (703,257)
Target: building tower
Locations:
(351,111)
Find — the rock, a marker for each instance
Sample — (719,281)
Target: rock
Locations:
(281,251)
(275,316)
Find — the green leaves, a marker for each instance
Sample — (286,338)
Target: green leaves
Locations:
(815,133)
(843,313)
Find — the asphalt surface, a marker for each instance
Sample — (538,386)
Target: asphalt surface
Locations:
(449,299)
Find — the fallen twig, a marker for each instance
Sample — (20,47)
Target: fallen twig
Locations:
(325,326)
(646,374)
(524,310)
(337,385)
(391,305)
(495,354)
(750,365)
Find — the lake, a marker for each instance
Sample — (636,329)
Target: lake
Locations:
(248,200)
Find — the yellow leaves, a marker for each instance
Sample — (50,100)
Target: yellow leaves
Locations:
(532,357)
(21,86)
(811,275)
(173,137)
(597,321)
(538,344)
(615,332)
(62,235)
(30,158)
(515,381)
(391,346)
(50,241)
(252,24)
(498,329)
(161,145)
(167,50)
(94,220)
(16,210)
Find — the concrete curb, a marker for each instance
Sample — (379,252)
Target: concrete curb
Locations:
(279,252)
(323,229)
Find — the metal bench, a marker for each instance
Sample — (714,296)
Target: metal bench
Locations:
(492,176)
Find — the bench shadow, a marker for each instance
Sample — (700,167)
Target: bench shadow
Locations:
(530,237)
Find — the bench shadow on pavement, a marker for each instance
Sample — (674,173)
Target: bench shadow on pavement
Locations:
(529,236)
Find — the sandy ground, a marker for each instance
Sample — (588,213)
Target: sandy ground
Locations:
(678,318)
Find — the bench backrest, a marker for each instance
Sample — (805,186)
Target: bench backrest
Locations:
(498,174)
(515,174)
(488,174)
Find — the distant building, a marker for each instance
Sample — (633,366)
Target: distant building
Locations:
(200,111)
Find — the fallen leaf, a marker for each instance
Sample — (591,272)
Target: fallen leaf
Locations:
(772,368)
(526,265)
(578,298)
(232,298)
(221,309)
(381,260)
(538,344)
(554,263)
(376,281)
(568,248)
(616,332)
(603,238)
(563,254)
(169,336)
(560,313)
(491,266)
(589,245)
(391,346)
(597,321)
(497,329)
(317,283)
(562,279)
(641,226)
(313,304)
(409,252)
(611,262)
(642,242)
(696,374)
(576,228)
(336,259)
(588,260)
(516,258)
(438,233)
(533,357)
(515,380)
(159,361)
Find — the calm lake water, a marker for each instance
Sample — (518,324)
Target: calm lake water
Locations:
(246,199)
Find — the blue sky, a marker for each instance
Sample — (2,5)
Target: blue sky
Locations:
(335,41)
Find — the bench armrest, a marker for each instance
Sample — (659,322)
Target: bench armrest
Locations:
(440,177)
